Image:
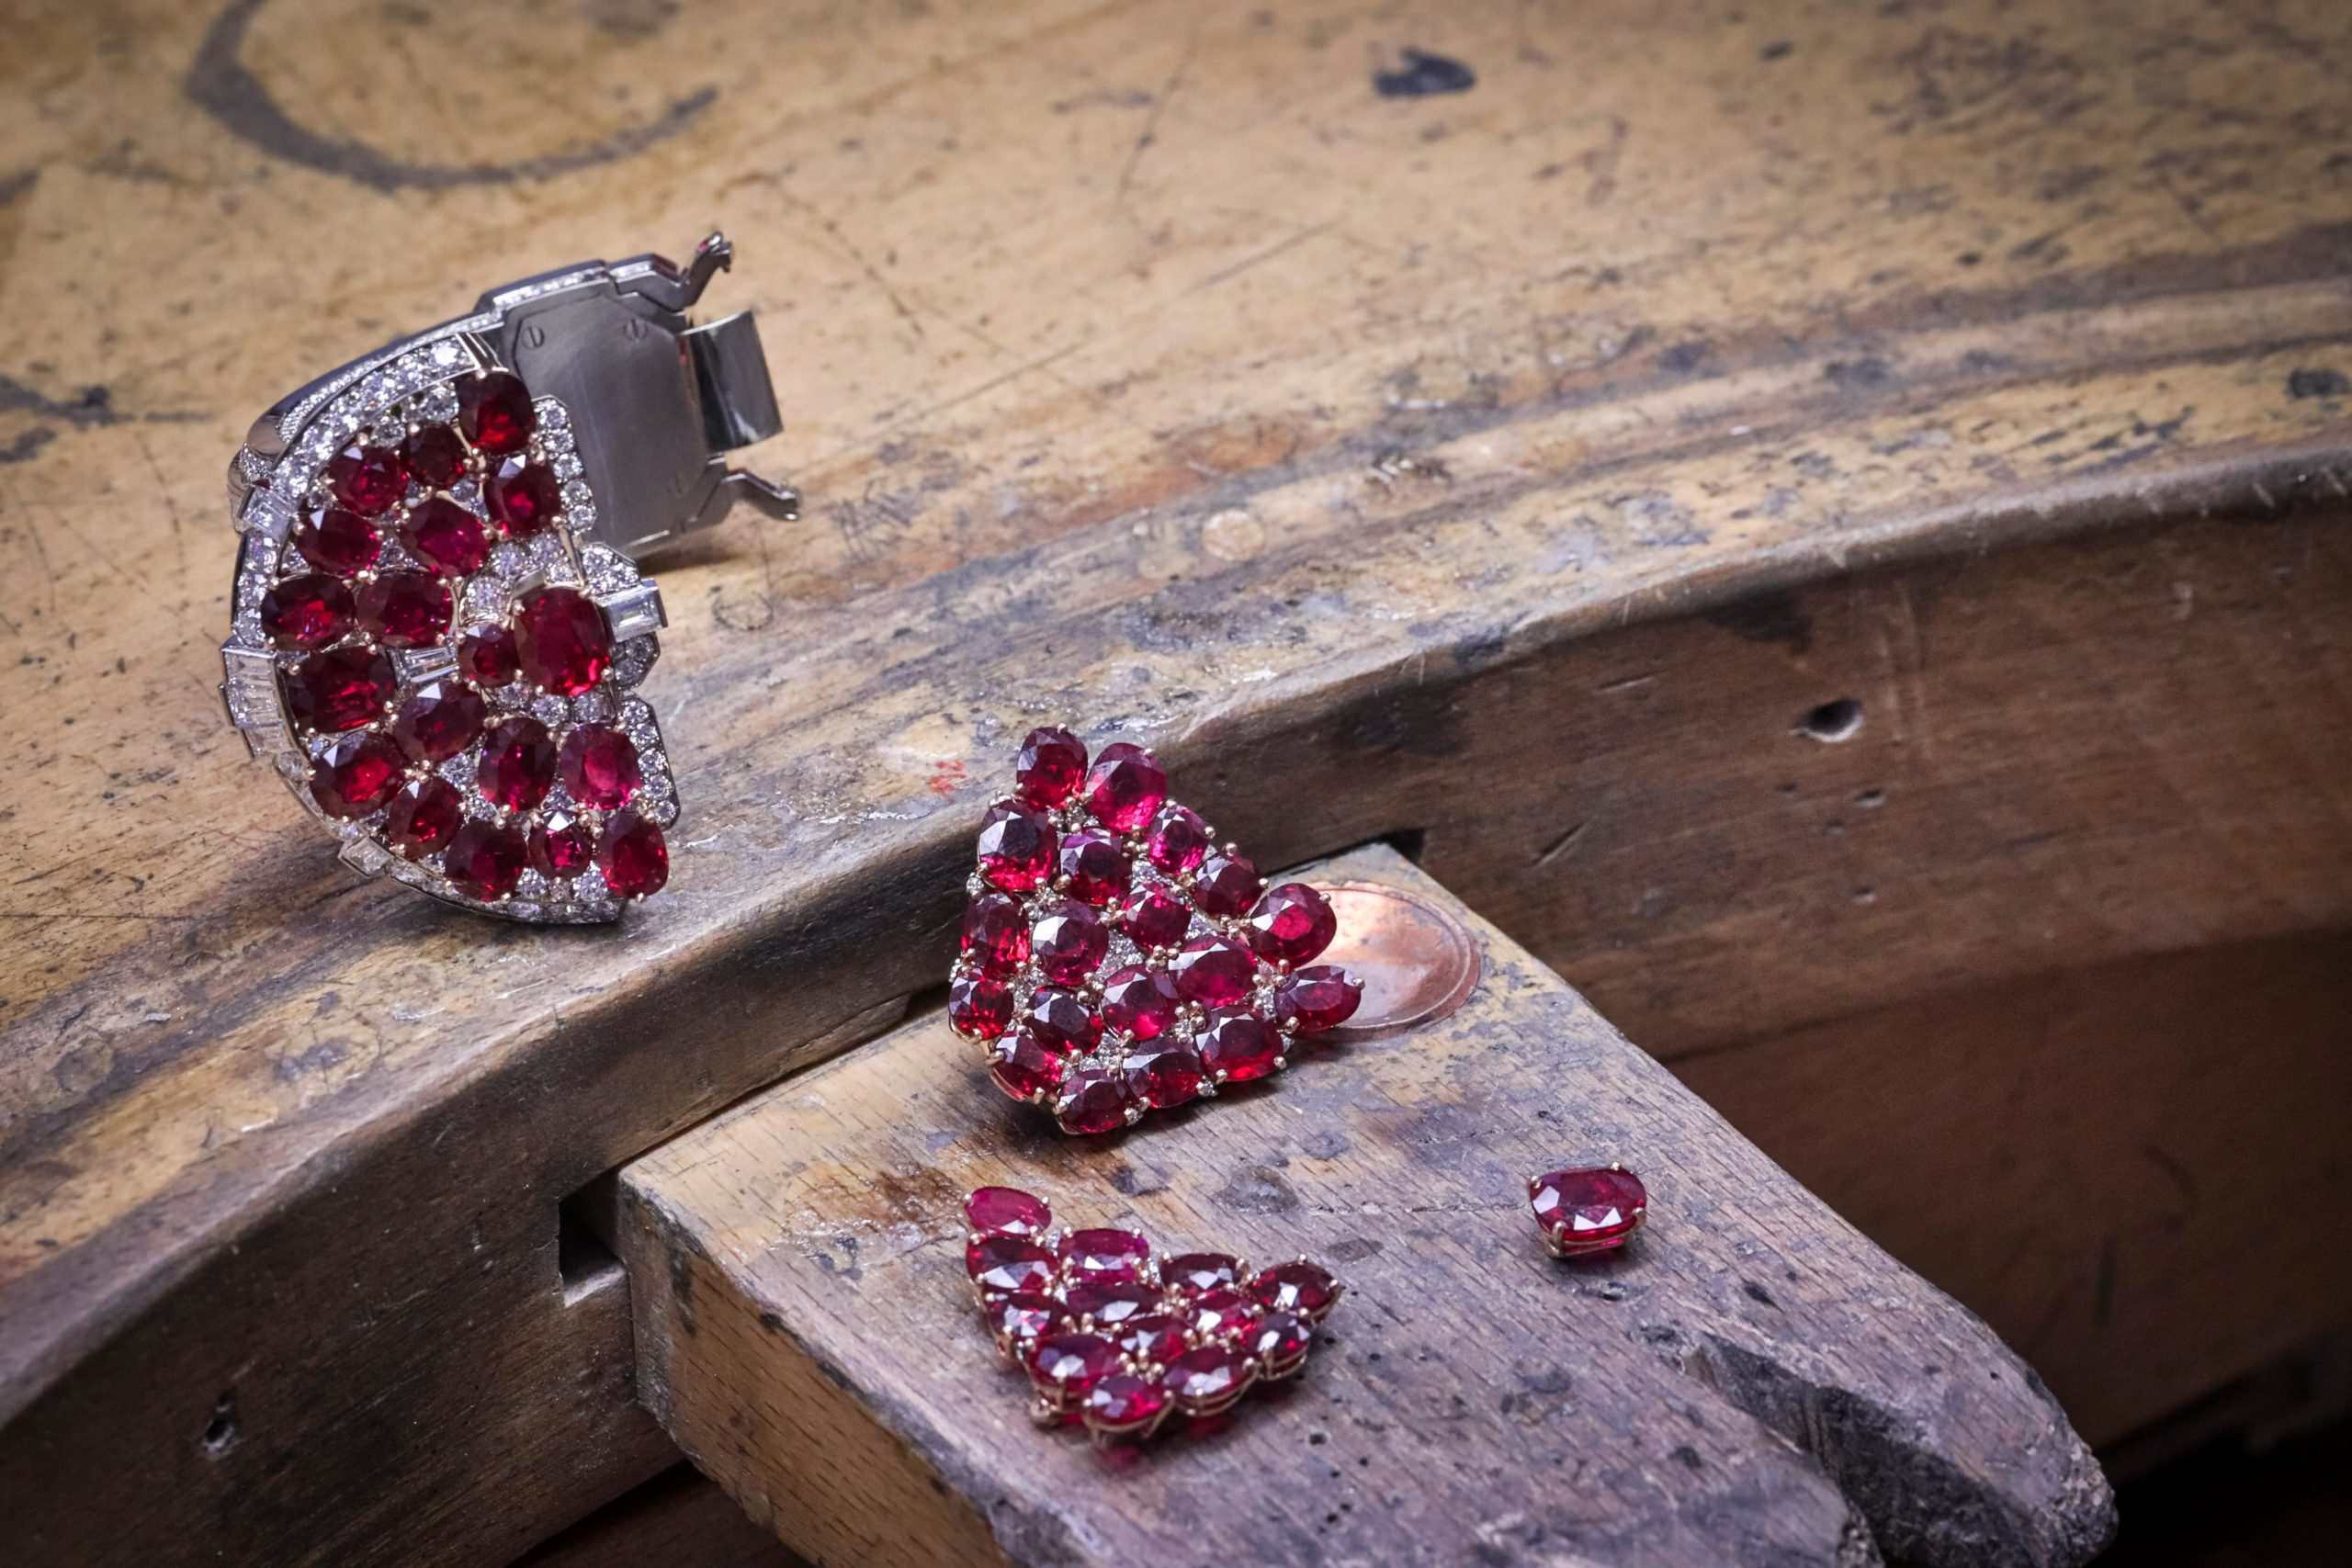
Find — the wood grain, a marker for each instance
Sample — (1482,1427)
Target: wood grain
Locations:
(678,1519)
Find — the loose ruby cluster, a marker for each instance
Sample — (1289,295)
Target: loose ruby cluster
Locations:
(1116,959)
(377,580)
(1117,1342)
(1586,1212)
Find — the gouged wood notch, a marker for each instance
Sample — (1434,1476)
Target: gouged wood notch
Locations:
(1752,1382)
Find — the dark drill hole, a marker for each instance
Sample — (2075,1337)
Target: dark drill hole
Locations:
(221,1432)
(1839,720)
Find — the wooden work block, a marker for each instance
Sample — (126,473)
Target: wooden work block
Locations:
(1752,1381)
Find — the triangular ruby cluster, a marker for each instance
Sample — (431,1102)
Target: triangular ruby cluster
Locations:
(1116,959)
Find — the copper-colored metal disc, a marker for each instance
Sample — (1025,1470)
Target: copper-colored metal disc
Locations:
(1418,962)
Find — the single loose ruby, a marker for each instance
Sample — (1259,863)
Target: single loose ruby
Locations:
(1124,1402)
(1061,1020)
(1016,846)
(486,654)
(1005,1265)
(1007,1210)
(1092,1101)
(1214,971)
(423,817)
(996,933)
(1280,1343)
(405,609)
(1321,996)
(1301,1289)
(341,688)
(1112,1303)
(1026,1067)
(1178,840)
(434,456)
(356,775)
(1165,1073)
(494,410)
(1050,765)
(484,860)
(1220,1311)
(1157,918)
(1138,1002)
(562,845)
(1106,1254)
(1018,1320)
(1153,1336)
(1097,867)
(368,479)
(1068,940)
(307,611)
(598,766)
(1589,1211)
(633,855)
(561,643)
(1066,1365)
(980,1005)
(337,539)
(518,763)
(1210,1379)
(1292,924)
(1125,788)
(445,536)
(1193,1272)
(1226,884)
(439,720)
(524,497)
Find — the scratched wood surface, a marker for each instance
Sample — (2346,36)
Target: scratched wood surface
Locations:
(1751,1383)
(1150,365)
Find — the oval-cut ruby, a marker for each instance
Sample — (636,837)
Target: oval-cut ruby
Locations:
(1125,788)
(1292,924)
(307,611)
(337,539)
(439,720)
(633,855)
(1050,765)
(486,655)
(1589,1211)
(1300,1289)
(561,643)
(494,410)
(356,775)
(1096,866)
(423,817)
(1007,1210)
(1112,1303)
(1019,1319)
(1067,941)
(445,536)
(405,609)
(1092,1101)
(1280,1343)
(1210,1379)
(368,479)
(1178,840)
(996,933)
(1153,1336)
(1138,1002)
(484,860)
(562,845)
(1220,1311)
(1061,1020)
(1026,1067)
(1124,1402)
(524,497)
(341,688)
(1106,1254)
(1016,846)
(1193,1272)
(980,1005)
(1064,1366)
(1320,996)
(1214,971)
(518,763)
(1156,918)
(598,766)
(1007,1265)
(1226,884)
(434,456)
(1165,1073)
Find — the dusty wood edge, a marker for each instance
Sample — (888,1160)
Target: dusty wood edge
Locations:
(71,1314)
